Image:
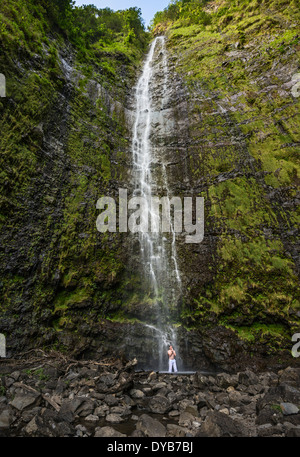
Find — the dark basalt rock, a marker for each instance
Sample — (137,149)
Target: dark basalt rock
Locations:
(198,405)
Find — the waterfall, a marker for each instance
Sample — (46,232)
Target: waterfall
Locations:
(157,249)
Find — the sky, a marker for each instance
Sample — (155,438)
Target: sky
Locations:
(148,7)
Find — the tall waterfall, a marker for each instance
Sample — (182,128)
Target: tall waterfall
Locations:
(157,249)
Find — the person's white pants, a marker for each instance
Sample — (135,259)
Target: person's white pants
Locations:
(172,364)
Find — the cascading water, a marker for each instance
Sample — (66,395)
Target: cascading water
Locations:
(158,250)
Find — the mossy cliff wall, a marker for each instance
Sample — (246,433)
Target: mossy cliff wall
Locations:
(65,142)
(237,145)
(65,136)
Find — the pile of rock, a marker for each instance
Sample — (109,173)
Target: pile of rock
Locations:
(54,396)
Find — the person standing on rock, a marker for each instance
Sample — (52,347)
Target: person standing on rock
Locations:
(172,360)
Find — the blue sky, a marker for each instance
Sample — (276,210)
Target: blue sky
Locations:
(148,7)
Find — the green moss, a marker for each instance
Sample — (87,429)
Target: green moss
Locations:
(247,136)
(258,332)
(241,204)
(121,318)
(66,299)
(20,26)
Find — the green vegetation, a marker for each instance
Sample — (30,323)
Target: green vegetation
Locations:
(248,131)
(37,372)
(107,43)
(238,15)
(101,37)
(82,119)
(189,12)
(2,391)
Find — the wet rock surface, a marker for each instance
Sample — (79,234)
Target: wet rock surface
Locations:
(52,395)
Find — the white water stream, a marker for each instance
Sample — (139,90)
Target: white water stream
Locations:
(158,250)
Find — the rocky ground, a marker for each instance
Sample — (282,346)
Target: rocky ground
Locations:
(52,395)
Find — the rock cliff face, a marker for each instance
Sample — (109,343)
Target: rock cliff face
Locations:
(230,135)
(234,142)
(64,144)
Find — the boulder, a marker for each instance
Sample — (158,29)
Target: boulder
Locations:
(32,427)
(111,400)
(176,431)
(25,400)
(91,418)
(289,393)
(247,378)
(122,410)
(159,385)
(81,431)
(73,404)
(101,410)
(268,415)
(114,418)
(225,380)
(218,424)
(107,432)
(136,394)
(267,430)
(159,404)
(86,408)
(186,419)
(6,419)
(189,405)
(200,381)
(150,427)
(137,434)
(290,376)
(293,432)
(288,409)
(283,393)
(67,410)
(29,413)
(47,424)
(200,399)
